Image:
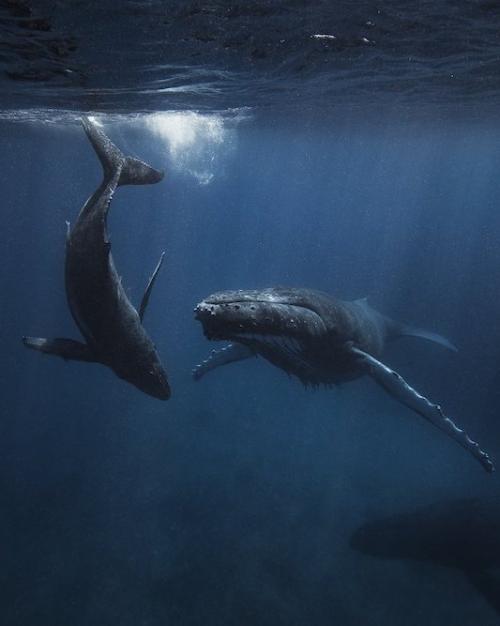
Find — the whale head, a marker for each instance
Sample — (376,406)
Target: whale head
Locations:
(147,374)
(258,316)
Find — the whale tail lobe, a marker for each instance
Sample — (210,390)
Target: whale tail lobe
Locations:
(405,330)
(133,171)
(394,330)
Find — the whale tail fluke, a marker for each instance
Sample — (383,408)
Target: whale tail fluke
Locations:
(133,171)
(404,330)
(394,329)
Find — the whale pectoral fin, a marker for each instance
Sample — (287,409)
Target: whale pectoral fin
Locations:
(397,387)
(229,354)
(149,288)
(67,349)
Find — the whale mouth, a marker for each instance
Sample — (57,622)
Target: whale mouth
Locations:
(240,321)
(283,333)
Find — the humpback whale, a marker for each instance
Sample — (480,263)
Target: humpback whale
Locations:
(320,340)
(459,534)
(111,326)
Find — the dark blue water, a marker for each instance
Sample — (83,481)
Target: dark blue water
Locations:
(247,499)
(236,501)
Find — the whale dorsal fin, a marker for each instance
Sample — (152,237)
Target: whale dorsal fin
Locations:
(149,288)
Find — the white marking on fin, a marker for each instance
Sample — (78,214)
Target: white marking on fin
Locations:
(395,385)
(229,354)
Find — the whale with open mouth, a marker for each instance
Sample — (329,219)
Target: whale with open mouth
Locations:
(320,340)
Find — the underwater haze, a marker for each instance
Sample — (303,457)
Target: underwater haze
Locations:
(247,499)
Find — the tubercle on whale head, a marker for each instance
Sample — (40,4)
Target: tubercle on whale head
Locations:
(236,315)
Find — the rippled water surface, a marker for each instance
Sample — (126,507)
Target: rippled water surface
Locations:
(287,55)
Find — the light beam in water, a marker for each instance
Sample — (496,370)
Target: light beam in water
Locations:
(195,142)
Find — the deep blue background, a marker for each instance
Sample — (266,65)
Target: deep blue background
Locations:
(234,502)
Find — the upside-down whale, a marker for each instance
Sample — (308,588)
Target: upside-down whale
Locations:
(320,340)
(112,328)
